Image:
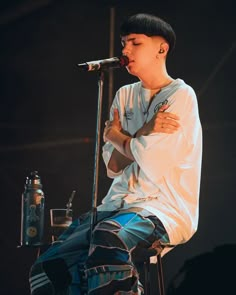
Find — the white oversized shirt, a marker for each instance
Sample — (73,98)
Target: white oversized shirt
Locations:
(165,176)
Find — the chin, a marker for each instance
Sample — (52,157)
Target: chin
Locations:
(131,70)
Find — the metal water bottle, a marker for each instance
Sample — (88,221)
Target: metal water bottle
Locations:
(32,211)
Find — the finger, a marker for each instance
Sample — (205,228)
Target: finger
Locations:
(169,126)
(164,115)
(170,122)
(104,137)
(166,128)
(163,108)
(168,131)
(116,116)
(167,123)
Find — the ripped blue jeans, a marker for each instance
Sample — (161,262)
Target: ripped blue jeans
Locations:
(101,263)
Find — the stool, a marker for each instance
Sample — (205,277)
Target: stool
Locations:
(160,277)
(142,256)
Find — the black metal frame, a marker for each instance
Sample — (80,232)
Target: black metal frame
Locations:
(160,276)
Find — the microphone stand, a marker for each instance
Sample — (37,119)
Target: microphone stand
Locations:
(97,151)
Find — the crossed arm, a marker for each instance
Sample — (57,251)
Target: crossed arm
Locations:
(162,122)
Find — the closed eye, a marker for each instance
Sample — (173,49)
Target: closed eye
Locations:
(133,40)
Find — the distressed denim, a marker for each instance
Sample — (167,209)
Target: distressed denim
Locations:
(97,263)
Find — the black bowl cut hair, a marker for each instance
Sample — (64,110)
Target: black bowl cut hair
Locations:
(149,25)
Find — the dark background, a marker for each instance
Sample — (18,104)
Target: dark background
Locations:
(48,118)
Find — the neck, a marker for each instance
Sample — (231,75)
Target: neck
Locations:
(155,81)
(156,85)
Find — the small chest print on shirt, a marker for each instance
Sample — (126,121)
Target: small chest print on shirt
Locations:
(129,114)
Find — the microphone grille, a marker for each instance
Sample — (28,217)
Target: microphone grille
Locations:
(124,61)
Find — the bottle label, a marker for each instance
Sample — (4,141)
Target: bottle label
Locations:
(38,199)
(32,217)
(31,231)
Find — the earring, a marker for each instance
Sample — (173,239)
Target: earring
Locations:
(161,50)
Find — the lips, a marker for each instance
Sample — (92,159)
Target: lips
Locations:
(130,62)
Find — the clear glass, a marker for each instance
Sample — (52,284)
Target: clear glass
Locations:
(60,221)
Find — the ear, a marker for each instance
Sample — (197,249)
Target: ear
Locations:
(164,47)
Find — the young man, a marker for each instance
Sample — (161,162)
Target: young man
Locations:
(153,150)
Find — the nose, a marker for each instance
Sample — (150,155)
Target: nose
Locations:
(125,50)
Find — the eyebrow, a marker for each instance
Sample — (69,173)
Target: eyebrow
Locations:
(130,39)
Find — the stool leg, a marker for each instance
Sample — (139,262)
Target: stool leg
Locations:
(147,277)
(160,275)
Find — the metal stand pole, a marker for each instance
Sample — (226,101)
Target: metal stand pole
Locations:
(97,150)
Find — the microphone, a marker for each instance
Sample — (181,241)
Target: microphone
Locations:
(105,64)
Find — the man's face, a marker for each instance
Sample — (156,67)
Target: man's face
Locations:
(141,51)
